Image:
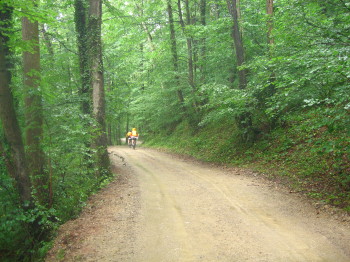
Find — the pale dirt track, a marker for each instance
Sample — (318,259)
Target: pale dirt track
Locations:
(163,208)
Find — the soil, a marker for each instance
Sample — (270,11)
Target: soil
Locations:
(164,208)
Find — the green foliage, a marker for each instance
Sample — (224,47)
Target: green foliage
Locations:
(224,103)
(25,234)
(312,157)
(11,234)
(19,228)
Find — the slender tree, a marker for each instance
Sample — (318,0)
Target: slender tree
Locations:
(8,115)
(80,18)
(270,43)
(203,8)
(97,85)
(33,106)
(233,8)
(174,52)
(188,41)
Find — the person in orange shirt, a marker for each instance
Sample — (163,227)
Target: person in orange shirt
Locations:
(134,137)
(128,138)
(134,133)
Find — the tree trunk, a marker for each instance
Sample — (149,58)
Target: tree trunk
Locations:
(97,86)
(8,115)
(174,53)
(236,34)
(33,109)
(118,132)
(238,8)
(202,68)
(80,17)
(270,43)
(244,120)
(110,134)
(188,42)
(271,88)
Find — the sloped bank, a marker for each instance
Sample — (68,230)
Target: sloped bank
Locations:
(304,153)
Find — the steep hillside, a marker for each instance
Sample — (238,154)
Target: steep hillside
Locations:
(309,151)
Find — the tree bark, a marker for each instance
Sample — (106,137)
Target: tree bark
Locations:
(271,88)
(191,81)
(33,109)
(118,131)
(97,86)
(80,18)
(202,68)
(110,134)
(270,39)
(239,49)
(8,115)
(174,53)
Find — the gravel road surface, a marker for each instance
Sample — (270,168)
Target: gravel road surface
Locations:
(165,208)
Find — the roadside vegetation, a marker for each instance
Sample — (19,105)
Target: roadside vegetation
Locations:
(304,153)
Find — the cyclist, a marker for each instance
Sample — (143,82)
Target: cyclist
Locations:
(134,136)
(128,138)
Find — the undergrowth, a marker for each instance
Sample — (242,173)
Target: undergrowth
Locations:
(18,240)
(309,151)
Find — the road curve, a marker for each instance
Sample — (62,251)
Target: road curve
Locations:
(190,211)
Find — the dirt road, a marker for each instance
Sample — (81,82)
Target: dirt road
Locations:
(163,208)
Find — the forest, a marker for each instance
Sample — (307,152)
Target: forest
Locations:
(261,84)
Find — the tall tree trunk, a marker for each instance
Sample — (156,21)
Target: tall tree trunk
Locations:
(97,86)
(188,42)
(203,6)
(271,87)
(236,34)
(8,115)
(270,43)
(118,134)
(244,120)
(127,128)
(110,134)
(174,53)
(238,8)
(80,17)
(33,108)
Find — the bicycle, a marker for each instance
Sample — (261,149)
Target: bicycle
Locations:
(132,142)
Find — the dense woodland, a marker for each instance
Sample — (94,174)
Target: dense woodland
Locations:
(259,83)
